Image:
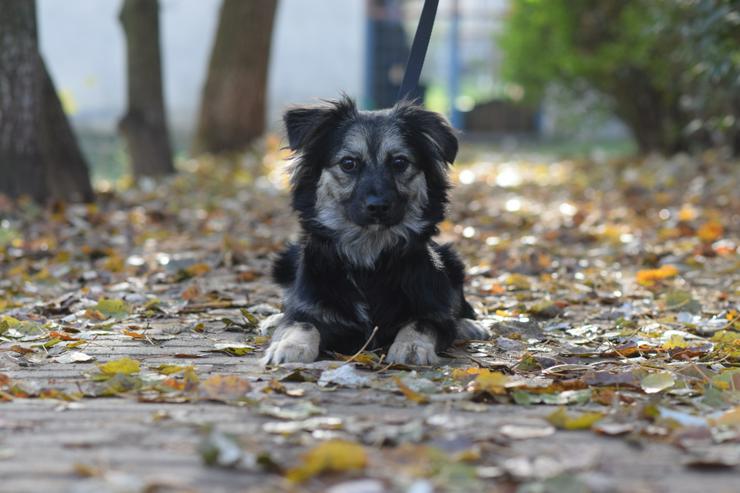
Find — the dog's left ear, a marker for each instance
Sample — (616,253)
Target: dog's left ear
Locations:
(432,126)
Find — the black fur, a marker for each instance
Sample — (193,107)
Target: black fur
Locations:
(406,282)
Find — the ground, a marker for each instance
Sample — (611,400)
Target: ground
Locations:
(129,356)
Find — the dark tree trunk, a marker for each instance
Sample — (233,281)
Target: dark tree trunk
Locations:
(232,110)
(39,155)
(67,176)
(21,159)
(144,125)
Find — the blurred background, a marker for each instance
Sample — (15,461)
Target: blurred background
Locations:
(579,77)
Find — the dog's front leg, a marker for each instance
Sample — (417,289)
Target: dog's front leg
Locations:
(293,342)
(413,346)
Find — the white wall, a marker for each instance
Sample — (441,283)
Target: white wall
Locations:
(318,51)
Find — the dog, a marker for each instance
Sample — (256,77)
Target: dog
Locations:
(369,189)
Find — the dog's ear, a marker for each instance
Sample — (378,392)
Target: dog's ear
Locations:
(300,122)
(432,126)
(305,124)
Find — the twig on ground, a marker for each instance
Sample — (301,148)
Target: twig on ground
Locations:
(364,346)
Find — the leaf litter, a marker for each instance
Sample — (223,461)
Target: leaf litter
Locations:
(612,293)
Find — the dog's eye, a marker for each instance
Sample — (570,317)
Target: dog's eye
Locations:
(348,164)
(400,163)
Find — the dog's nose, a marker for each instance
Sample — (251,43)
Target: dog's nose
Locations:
(377,206)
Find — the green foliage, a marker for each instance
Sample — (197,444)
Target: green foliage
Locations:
(670,69)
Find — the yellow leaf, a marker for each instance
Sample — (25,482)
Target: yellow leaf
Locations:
(687,213)
(126,366)
(329,456)
(649,277)
(675,342)
(561,419)
(410,394)
(489,381)
(710,232)
(464,373)
(112,308)
(166,369)
(517,281)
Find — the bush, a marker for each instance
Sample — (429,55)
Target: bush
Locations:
(669,69)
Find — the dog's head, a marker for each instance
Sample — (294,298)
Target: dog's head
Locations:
(371,179)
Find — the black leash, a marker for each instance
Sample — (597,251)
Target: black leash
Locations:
(418,49)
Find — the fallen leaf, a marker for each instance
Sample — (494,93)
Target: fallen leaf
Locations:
(169,369)
(493,382)
(343,376)
(649,277)
(561,419)
(526,431)
(124,366)
(710,232)
(681,300)
(410,394)
(517,282)
(657,382)
(329,456)
(226,388)
(73,357)
(134,335)
(729,418)
(112,308)
(233,349)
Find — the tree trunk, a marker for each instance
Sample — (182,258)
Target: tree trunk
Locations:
(21,159)
(39,155)
(144,125)
(67,177)
(232,111)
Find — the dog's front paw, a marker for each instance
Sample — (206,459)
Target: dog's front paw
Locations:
(270,324)
(471,330)
(295,343)
(412,347)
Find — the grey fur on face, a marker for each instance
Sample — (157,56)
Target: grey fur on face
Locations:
(361,245)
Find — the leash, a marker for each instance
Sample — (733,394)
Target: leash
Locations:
(418,50)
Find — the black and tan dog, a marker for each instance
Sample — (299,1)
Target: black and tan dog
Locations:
(370,188)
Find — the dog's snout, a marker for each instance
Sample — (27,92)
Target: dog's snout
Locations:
(377,206)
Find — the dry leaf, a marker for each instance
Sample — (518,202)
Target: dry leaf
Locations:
(124,366)
(329,456)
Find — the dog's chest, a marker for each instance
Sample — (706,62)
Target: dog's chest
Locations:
(383,301)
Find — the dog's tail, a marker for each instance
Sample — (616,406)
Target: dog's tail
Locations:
(285,266)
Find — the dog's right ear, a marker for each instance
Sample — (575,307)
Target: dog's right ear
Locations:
(302,122)
(303,125)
